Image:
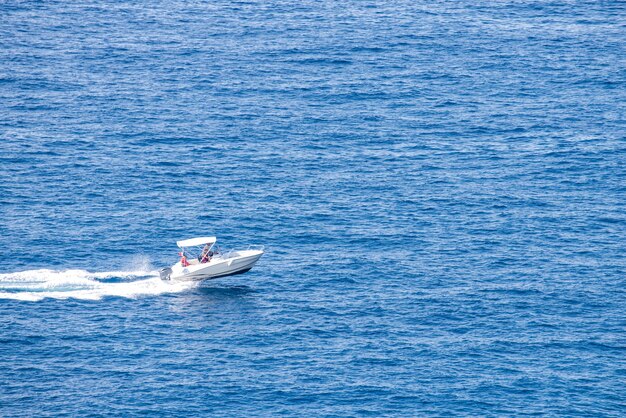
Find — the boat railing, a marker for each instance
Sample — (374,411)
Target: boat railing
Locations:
(232,253)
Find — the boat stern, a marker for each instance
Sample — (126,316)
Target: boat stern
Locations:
(166,273)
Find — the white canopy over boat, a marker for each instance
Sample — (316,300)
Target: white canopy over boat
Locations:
(192,242)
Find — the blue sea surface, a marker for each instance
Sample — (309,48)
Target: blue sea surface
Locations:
(440,187)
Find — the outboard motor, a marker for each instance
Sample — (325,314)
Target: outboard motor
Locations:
(165,273)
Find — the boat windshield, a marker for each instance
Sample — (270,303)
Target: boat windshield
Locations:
(198,251)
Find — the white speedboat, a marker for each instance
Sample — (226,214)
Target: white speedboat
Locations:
(201,259)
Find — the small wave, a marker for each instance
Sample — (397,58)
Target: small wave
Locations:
(35,285)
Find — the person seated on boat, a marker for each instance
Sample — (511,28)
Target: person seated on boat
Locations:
(206,255)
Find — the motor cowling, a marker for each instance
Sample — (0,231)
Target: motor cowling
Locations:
(165,273)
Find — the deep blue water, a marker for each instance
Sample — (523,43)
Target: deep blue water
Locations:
(440,187)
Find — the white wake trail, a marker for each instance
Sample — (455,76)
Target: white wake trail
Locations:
(35,285)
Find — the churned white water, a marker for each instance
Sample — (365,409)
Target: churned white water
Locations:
(35,285)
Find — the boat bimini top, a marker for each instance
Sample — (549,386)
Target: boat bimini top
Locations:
(194,242)
(197,248)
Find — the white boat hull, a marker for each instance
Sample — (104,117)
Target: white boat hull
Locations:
(219,266)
